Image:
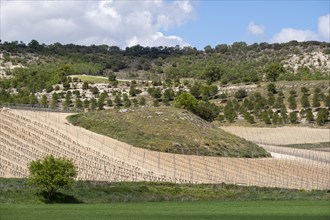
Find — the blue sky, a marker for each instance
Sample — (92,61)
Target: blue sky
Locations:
(196,23)
(219,21)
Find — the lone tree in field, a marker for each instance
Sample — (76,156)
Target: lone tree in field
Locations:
(50,174)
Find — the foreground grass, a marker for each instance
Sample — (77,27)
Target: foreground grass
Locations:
(16,191)
(167,129)
(291,210)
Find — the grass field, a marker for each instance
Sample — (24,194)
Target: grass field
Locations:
(96,79)
(17,191)
(292,210)
(93,79)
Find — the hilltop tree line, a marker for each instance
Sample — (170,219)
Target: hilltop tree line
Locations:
(234,63)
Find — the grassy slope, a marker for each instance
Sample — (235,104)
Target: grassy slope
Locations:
(167,129)
(291,210)
(16,191)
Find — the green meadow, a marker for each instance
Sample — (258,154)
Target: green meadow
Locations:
(253,210)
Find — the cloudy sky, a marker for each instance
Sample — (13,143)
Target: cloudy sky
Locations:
(164,22)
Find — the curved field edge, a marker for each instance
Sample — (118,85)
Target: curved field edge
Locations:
(17,191)
(167,129)
(286,210)
(281,135)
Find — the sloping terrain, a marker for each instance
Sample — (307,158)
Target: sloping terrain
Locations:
(167,129)
(302,142)
(30,135)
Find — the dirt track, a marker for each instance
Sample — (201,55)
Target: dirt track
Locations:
(28,135)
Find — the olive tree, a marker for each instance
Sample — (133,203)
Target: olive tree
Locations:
(50,174)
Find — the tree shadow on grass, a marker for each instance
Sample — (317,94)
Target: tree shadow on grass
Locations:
(59,198)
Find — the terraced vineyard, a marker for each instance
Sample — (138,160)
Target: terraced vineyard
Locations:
(30,135)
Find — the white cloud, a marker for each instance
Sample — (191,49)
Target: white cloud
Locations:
(324,27)
(289,34)
(121,23)
(255,29)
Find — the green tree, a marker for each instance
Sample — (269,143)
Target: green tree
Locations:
(240,94)
(79,104)
(135,102)
(248,104)
(125,97)
(212,73)
(326,100)
(111,77)
(304,90)
(33,99)
(67,101)
(44,100)
(100,103)
(50,174)
(206,110)
(155,103)
(273,71)
(127,103)
(275,118)
(86,103)
(168,95)
(293,92)
(293,117)
(85,85)
(229,112)
(304,101)
(142,101)
(309,116)
(195,90)
(248,117)
(155,93)
(118,101)
(284,113)
(271,99)
(317,90)
(292,102)
(316,100)
(186,101)
(66,85)
(54,100)
(132,90)
(279,102)
(93,104)
(109,102)
(322,116)
(271,87)
(265,117)
(95,91)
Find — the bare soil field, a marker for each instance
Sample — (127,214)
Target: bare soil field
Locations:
(30,135)
(280,135)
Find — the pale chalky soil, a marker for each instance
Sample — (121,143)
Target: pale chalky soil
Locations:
(28,135)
